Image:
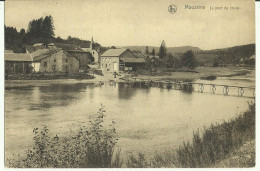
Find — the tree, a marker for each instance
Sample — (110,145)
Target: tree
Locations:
(47,30)
(22,32)
(147,50)
(69,38)
(162,50)
(40,30)
(153,52)
(188,59)
(14,40)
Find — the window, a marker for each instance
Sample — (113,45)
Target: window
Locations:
(66,68)
(110,59)
(45,64)
(54,60)
(106,59)
(66,60)
(53,67)
(93,53)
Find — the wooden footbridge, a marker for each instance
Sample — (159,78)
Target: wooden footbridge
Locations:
(192,86)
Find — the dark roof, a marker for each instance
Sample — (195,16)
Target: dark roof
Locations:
(140,55)
(43,53)
(19,57)
(40,52)
(86,44)
(67,47)
(78,51)
(113,52)
(31,48)
(133,60)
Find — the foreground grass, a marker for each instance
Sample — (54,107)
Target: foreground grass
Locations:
(243,157)
(95,147)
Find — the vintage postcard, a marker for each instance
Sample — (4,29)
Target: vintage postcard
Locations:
(129,84)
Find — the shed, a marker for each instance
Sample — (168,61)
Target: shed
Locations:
(17,62)
(116,60)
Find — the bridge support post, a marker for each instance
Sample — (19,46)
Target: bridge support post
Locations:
(201,88)
(225,90)
(213,88)
(240,91)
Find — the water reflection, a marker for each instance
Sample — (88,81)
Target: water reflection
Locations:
(46,97)
(126,91)
(146,116)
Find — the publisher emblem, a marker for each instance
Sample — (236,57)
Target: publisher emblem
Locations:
(172,9)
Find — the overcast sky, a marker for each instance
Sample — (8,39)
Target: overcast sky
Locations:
(142,22)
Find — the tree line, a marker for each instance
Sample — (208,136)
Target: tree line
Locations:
(39,31)
(169,60)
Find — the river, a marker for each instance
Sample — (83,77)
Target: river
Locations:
(147,119)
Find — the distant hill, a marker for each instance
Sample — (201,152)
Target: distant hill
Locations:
(231,55)
(181,49)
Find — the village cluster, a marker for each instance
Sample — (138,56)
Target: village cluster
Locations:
(59,57)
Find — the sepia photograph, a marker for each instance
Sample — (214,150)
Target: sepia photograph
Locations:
(129,84)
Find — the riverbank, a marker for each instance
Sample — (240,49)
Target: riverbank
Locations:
(197,73)
(222,145)
(241,158)
(49,76)
(181,75)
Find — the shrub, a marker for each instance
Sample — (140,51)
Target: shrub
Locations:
(88,147)
(139,162)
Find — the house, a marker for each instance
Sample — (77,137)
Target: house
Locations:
(140,55)
(115,60)
(54,60)
(84,57)
(17,62)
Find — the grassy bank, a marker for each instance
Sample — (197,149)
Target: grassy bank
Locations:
(207,148)
(197,73)
(48,76)
(95,146)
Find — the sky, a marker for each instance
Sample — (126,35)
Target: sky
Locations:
(142,22)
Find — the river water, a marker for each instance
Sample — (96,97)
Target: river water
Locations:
(147,119)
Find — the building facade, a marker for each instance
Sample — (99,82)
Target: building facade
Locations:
(115,60)
(55,60)
(85,58)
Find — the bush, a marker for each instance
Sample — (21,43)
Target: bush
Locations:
(89,147)
(188,60)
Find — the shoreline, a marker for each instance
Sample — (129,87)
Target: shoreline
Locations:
(200,72)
